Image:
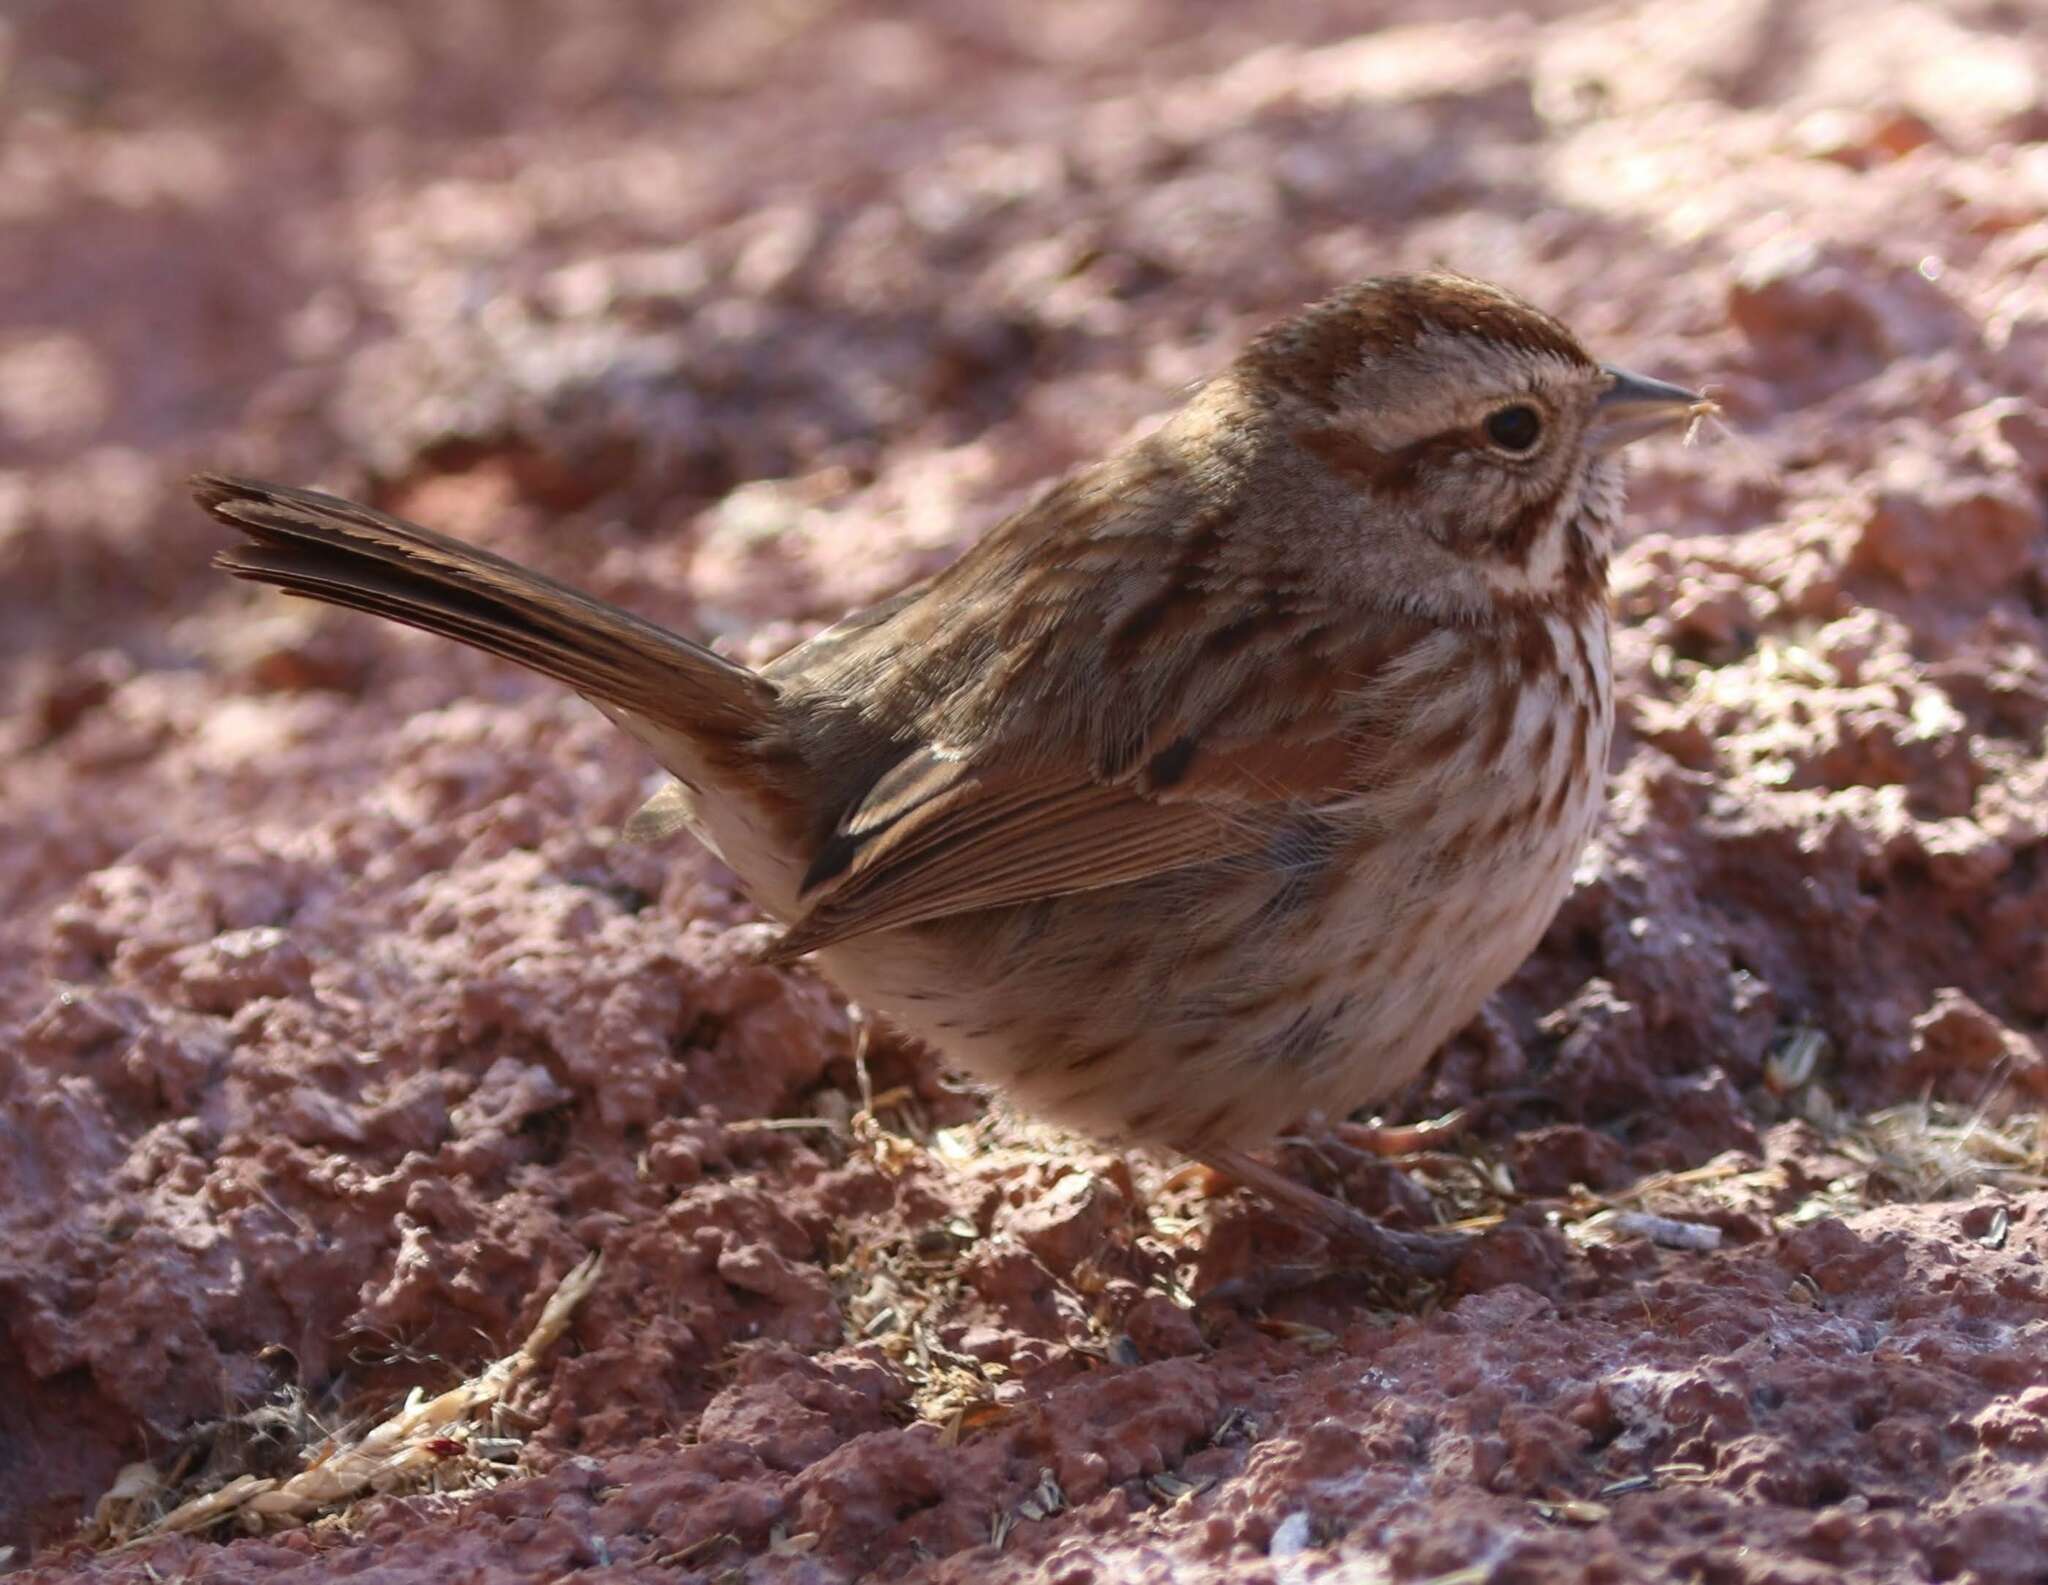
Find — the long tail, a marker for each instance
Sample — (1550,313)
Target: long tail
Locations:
(329,549)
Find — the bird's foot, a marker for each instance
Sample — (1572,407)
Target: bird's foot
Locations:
(1405,1139)
(1350,1230)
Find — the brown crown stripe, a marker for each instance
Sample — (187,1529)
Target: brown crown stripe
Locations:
(1313,354)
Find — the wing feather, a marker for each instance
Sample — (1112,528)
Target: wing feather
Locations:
(940,837)
(1241,725)
(1018,845)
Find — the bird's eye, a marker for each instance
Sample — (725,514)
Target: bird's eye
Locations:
(1515,428)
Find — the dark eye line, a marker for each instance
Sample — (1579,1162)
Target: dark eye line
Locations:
(1347,453)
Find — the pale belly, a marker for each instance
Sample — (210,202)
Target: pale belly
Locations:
(1209,1009)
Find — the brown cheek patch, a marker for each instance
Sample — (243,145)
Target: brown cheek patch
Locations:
(1518,538)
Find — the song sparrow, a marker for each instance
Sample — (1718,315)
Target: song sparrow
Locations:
(1217,787)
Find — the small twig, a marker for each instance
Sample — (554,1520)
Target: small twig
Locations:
(407,1444)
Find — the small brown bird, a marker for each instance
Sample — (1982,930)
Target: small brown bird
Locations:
(1216,788)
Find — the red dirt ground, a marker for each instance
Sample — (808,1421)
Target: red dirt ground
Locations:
(335,1028)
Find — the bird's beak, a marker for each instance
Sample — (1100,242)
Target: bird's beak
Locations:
(1632,407)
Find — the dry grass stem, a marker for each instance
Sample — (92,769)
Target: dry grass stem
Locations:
(409,1447)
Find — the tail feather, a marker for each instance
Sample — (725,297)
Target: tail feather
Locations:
(325,548)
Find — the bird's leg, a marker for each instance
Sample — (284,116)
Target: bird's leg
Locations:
(863,1030)
(1407,1139)
(1420,1254)
(1388,1140)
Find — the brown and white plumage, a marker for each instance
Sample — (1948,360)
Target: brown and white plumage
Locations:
(1218,786)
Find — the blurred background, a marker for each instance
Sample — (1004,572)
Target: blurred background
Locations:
(744,313)
(640,254)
